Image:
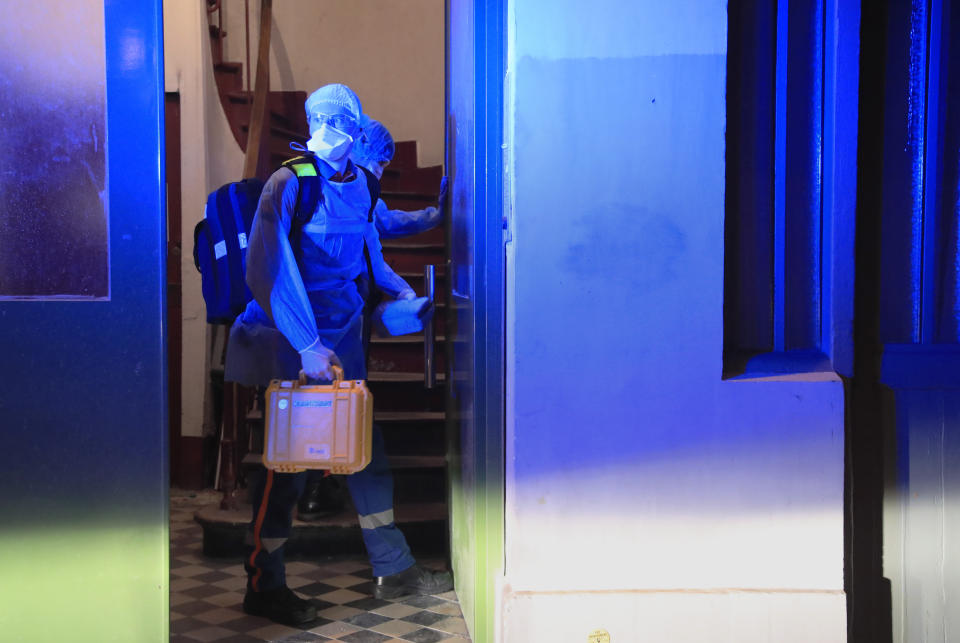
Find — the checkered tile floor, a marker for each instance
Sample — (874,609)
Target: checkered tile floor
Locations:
(206,596)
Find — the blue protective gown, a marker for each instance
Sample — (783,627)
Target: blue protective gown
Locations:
(403,223)
(294,305)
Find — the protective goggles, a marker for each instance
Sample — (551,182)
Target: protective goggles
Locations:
(342,122)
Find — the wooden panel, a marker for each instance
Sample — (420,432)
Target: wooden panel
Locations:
(188,473)
(174,301)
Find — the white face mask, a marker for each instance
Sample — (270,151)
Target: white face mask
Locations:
(330,143)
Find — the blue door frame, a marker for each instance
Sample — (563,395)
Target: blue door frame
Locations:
(475,68)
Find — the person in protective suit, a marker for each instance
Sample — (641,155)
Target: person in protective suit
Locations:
(375,151)
(323,495)
(309,315)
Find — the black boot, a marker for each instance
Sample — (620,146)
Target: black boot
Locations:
(322,497)
(414,580)
(279,605)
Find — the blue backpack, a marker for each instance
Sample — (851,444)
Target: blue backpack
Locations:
(220,238)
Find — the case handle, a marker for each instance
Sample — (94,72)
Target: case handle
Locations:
(337,375)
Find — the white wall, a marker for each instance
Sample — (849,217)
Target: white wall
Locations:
(209,157)
(390,52)
(645,495)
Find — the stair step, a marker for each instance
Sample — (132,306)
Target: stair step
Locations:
(405,154)
(229,66)
(404,512)
(256,415)
(415,338)
(287,119)
(396,461)
(405,260)
(280,138)
(403,244)
(440,272)
(409,416)
(229,77)
(286,108)
(407,396)
(409,195)
(435,235)
(403,357)
(289,101)
(417,283)
(280,130)
(398,376)
(224,530)
(417,461)
(408,200)
(412,179)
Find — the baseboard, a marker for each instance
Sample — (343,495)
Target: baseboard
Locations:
(674,616)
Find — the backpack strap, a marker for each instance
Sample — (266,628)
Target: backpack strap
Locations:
(309,196)
(310,192)
(373,295)
(373,185)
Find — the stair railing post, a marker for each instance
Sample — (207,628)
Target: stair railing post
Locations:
(228,446)
(260,91)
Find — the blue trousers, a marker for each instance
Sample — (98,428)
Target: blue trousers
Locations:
(274,495)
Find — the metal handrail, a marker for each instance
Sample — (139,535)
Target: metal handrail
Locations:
(429,362)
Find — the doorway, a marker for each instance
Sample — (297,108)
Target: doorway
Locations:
(288,68)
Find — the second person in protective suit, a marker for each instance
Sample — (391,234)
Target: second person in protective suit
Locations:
(374,151)
(307,304)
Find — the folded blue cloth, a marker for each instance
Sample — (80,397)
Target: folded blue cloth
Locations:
(402,316)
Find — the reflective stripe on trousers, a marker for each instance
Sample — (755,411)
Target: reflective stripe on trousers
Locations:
(372,493)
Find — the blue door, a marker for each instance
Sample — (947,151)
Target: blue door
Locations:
(83,534)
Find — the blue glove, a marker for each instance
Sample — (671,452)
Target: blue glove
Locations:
(317,361)
(442,199)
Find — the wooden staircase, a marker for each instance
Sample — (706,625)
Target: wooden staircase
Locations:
(412,417)
(287,120)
